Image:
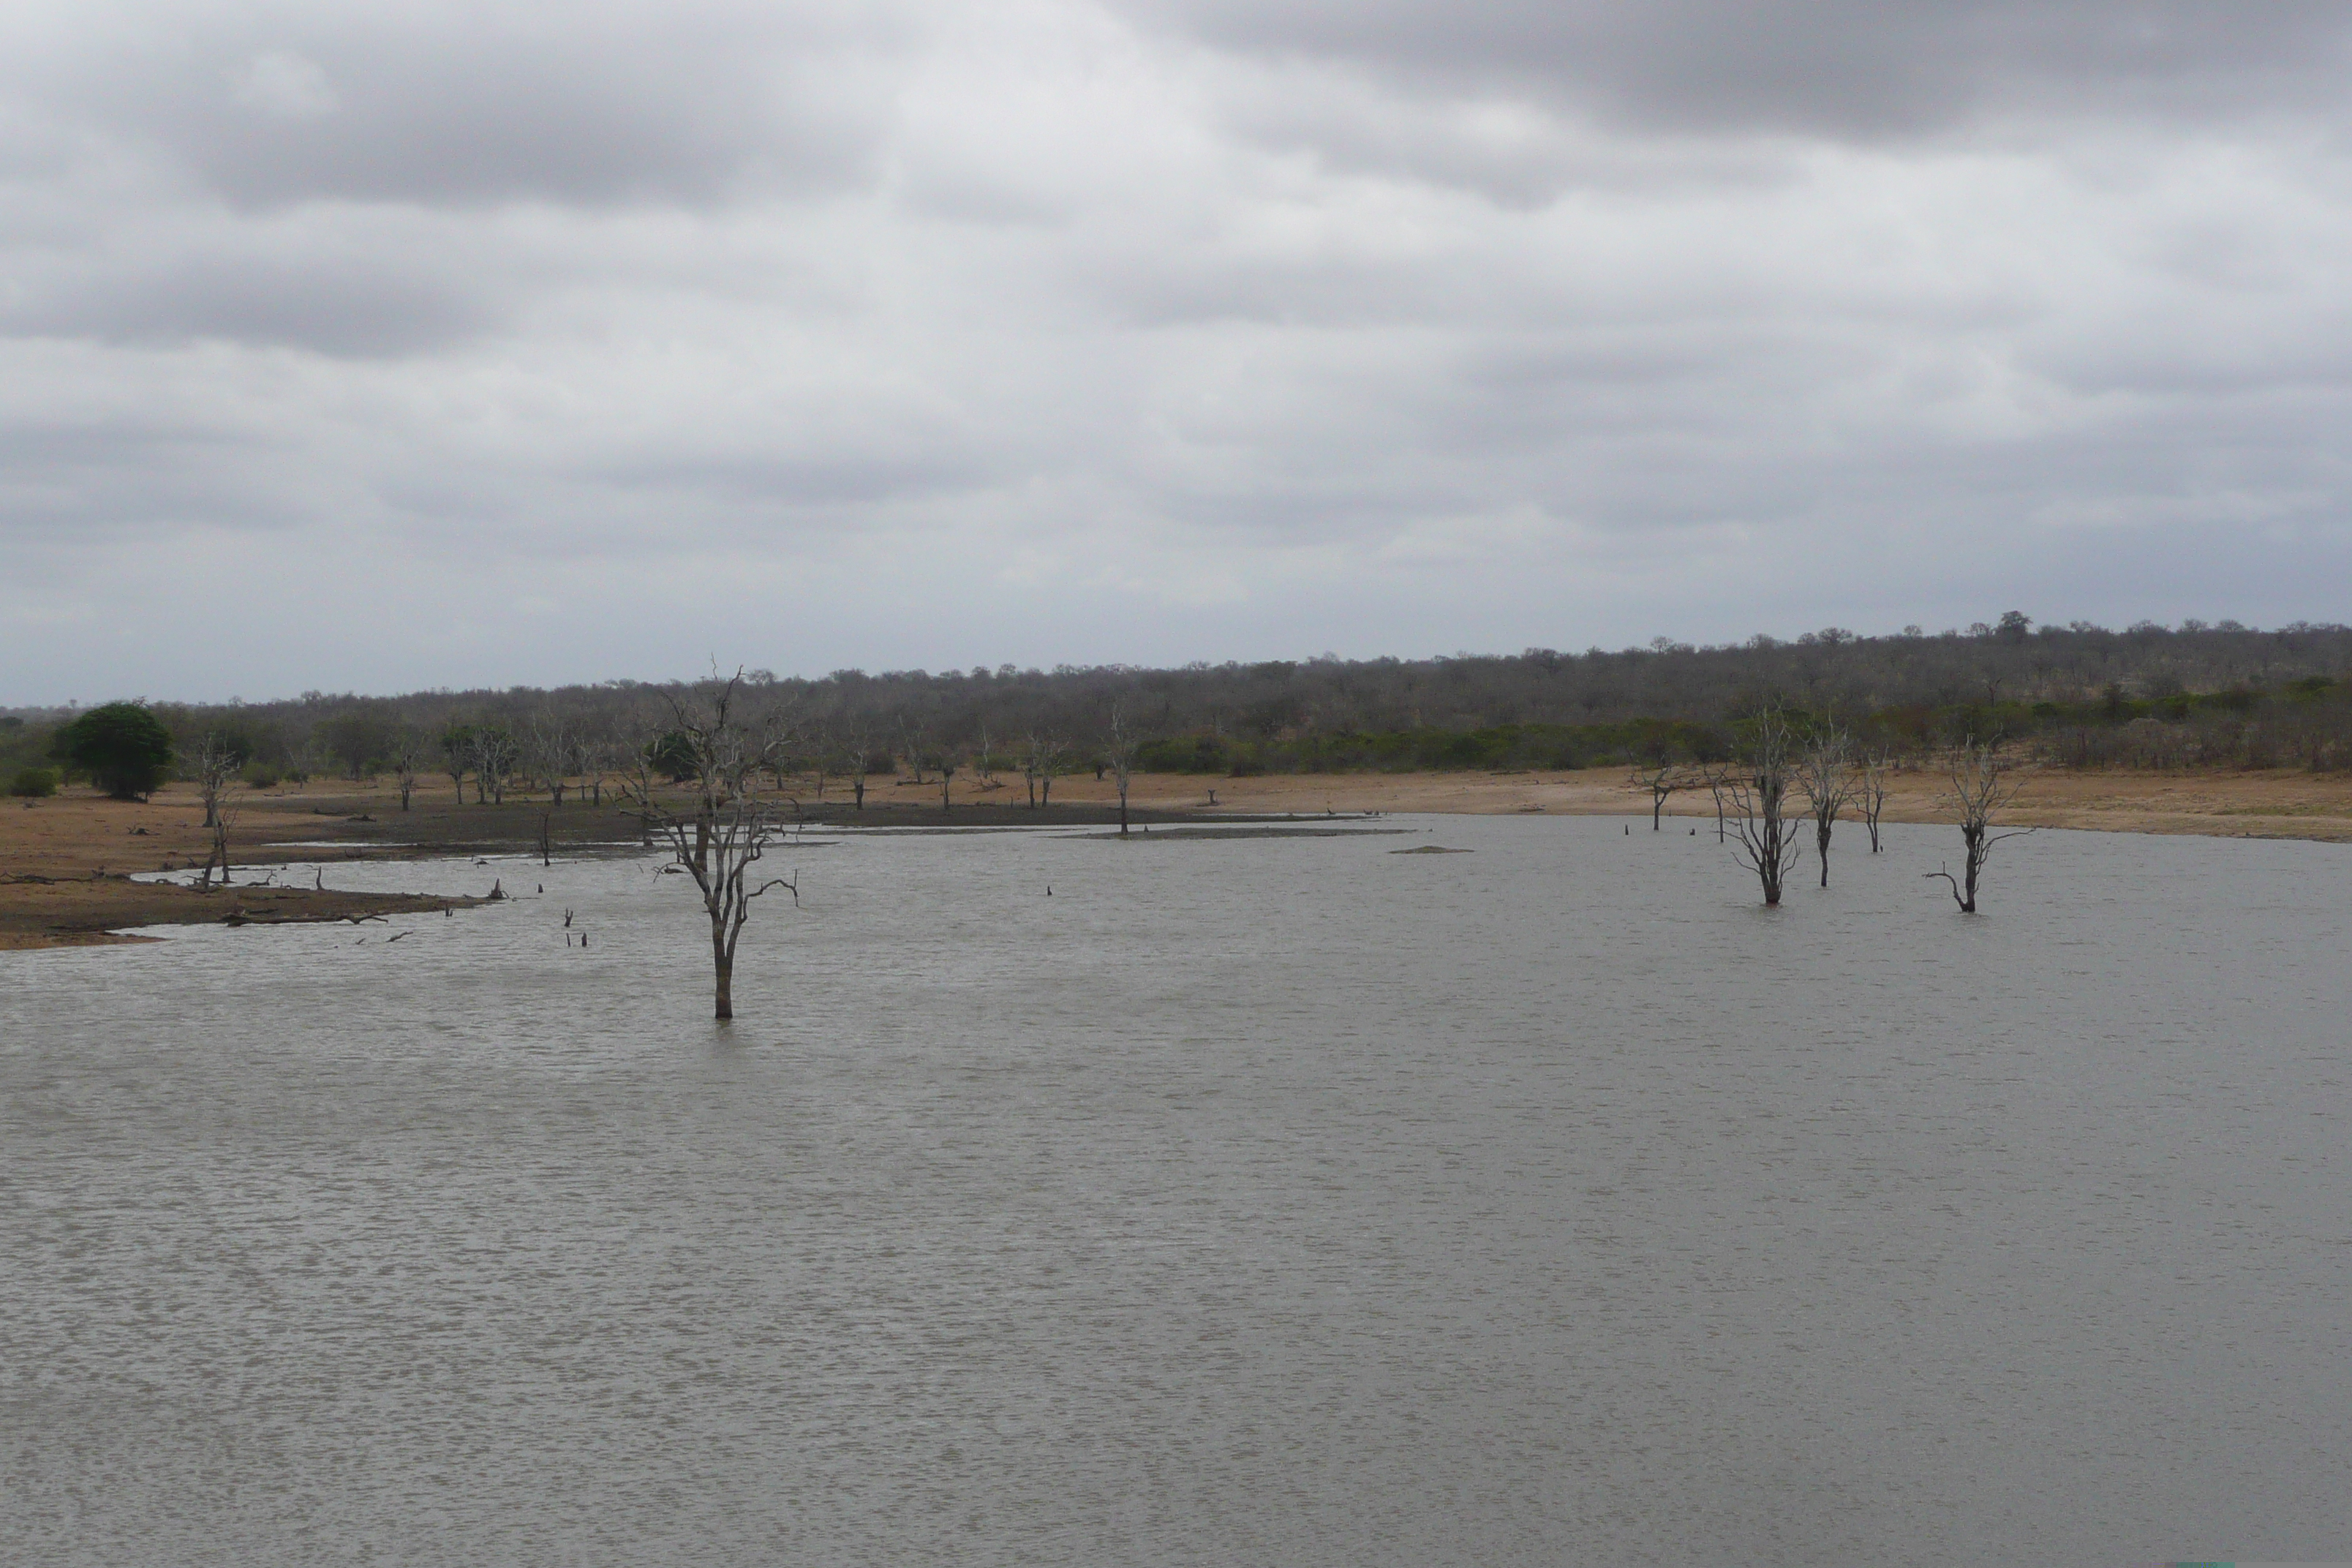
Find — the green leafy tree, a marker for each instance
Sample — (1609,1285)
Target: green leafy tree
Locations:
(123,746)
(673,756)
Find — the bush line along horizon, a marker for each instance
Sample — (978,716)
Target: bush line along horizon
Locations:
(2080,695)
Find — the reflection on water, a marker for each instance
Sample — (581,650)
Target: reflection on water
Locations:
(1274,1201)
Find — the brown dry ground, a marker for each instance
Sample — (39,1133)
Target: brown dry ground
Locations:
(65,862)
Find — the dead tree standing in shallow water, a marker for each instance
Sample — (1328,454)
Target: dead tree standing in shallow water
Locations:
(1870,789)
(1980,786)
(1753,796)
(1118,755)
(1661,780)
(1825,774)
(718,832)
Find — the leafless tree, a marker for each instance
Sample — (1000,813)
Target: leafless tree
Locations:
(1043,760)
(724,825)
(407,751)
(212,761)
(457,745)
(544,753)
(493,756)
(1660,780)
(1826,774)
(911,746)
(215,761)
(860,749)
(1870,789)
(590,760)
(1118,756)
(1754,796)
(1981,785)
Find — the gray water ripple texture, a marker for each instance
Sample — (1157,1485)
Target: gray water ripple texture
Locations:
(1278,1201)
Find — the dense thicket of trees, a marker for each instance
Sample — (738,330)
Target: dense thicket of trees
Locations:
(2147,696)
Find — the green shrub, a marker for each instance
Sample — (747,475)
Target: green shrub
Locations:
(33,783)
(123,746)
(260,776)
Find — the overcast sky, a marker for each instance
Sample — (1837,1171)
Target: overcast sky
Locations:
(370,347)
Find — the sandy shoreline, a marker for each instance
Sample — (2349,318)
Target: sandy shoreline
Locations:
(65,863)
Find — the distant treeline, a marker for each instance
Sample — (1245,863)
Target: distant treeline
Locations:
(2079,696)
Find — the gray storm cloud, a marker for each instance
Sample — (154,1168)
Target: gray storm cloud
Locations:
(594,340)
(1839,68)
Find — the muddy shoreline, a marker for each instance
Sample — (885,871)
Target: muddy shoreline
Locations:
(66,863)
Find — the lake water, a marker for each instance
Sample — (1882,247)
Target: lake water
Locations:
(1271,1201)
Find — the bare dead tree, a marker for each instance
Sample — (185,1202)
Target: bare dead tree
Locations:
(724,825)
(590,760)
(1118,756)
(1051,760)
(492,752)
(224,818)
(820,749)
(911,746)
(215,761)
(544,753)
(457,745)
(1981,785)
(1712,778)
(407,751)
(947,775)
(1662,780)
(1870,789)
(861,748)
(1754,796)
(212,761)
(1826,774)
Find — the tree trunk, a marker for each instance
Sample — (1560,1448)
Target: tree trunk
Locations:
(857,787)
(723,967)
(1122,808)
(1822,843)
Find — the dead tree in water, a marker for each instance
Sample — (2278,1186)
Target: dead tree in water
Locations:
(718,832)
(1826,774)
(1661,780)
(1980,786)
(1870,789)
(1753,795)
(1118,755)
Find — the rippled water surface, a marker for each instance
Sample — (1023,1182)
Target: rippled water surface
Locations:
(1282,1200)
